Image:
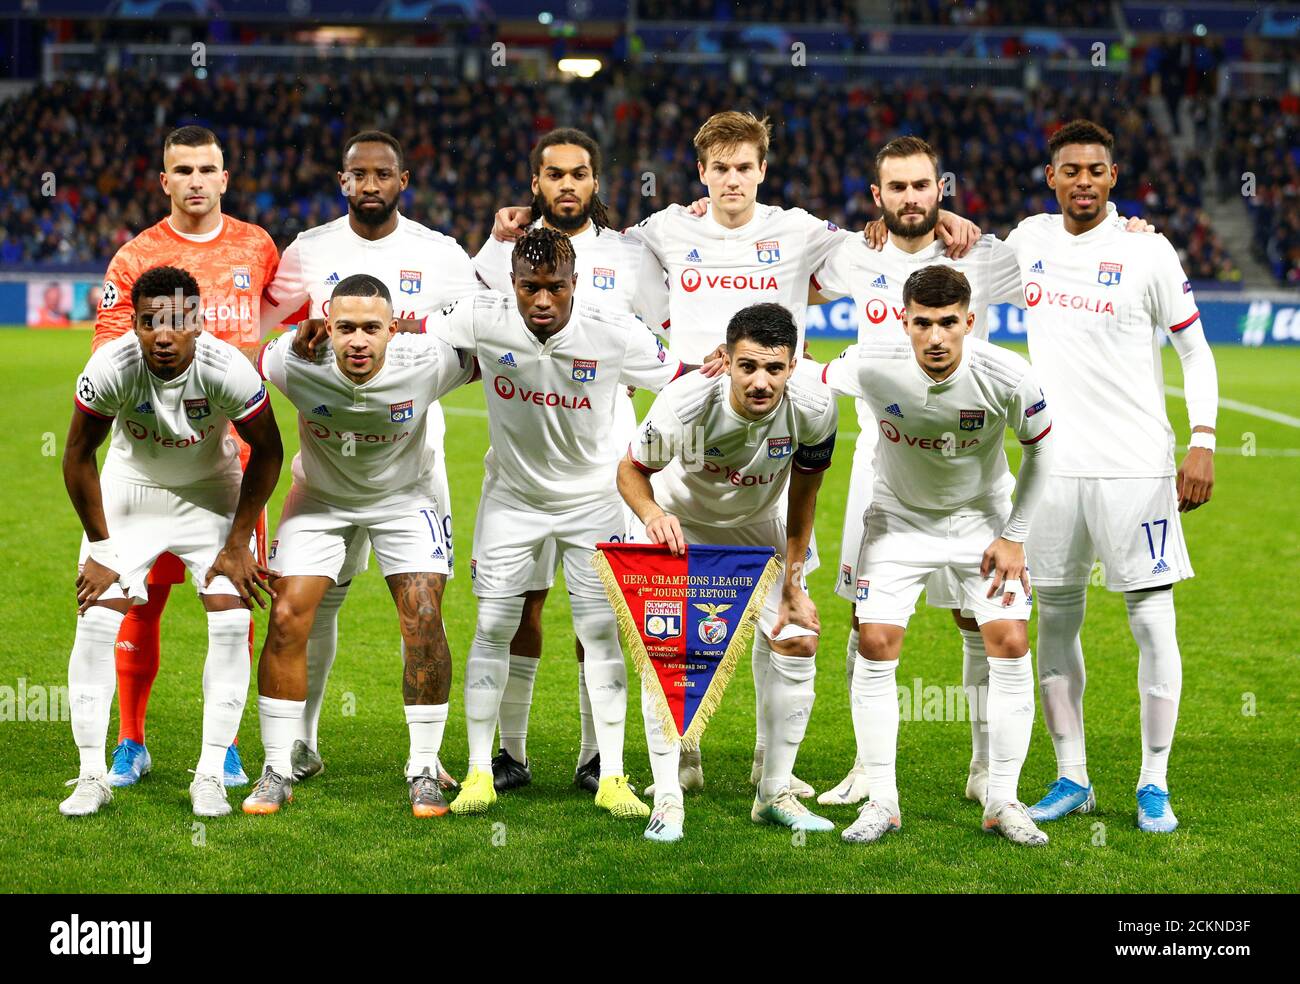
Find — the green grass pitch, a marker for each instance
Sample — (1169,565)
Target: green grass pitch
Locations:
(1232,769)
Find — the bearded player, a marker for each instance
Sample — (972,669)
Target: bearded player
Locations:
(566,165)
(1098,305)
(169,392)
(422,270)
(766,442)
(233,262)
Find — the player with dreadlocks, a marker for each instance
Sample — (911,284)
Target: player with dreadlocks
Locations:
(554,373)
(566,165)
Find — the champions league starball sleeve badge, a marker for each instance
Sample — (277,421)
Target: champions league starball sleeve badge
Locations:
(686,620)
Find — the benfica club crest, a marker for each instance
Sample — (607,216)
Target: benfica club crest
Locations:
(686,621)
(713,627)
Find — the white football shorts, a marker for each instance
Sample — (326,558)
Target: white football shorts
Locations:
(904,547)
(1132,525)
(941,590)
(145,522)
(516,548)
(314,537)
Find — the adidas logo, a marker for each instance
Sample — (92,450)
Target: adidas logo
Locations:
(693,256)
(1037,267)
(483,683)
(437,553)
(880,282)
(322,411)
(893,409)
(713,452)
(508,360)
(1161,567)
(332,279)
(145,407)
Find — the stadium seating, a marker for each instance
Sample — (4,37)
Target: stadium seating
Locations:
(467,147)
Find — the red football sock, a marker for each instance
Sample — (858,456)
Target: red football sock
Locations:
(138,644)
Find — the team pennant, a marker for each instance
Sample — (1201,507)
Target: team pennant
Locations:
(686,620)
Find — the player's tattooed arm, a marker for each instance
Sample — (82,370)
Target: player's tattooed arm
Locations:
(81,477)
(427,675)
(236,561)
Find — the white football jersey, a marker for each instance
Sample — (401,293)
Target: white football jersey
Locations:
(875,278)
(942,441)
(422,269)
(1095,307)
(713,467)
(367,444)
(608,268)
(713,271)
(551,404)
(171,433)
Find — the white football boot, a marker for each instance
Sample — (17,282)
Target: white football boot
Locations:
(1013,823)
(91,793)
(852,788)
(875,820)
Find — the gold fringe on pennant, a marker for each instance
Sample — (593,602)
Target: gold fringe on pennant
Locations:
(635,646)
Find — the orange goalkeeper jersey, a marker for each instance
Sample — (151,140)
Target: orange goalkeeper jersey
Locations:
(232,271)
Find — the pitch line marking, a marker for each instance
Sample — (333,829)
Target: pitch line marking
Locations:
(1254,411)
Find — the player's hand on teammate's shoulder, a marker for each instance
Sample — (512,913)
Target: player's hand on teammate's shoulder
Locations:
(667,530)
(699,208)
(957,233)
(1195,479)
(92,581)
(1136,223)
(510,222)
(310,334)
(249,577)
(714,363)
(1005,561)
(875,234)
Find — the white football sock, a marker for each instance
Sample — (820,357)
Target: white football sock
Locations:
(606,674)
(851,658)
(664,753)
(1011,720)
(875,722)
(426,723)
(1061,677)
(225,686)
(322,647)
(280,721)
(1160,678)
(975,681)
(588,749)
(787,706)
(92,678)
(760,664)
(516,701)
(486,672)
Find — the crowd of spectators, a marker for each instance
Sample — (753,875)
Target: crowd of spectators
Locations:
(1259,159)
(467,149)
(1061,14)
(770,11)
